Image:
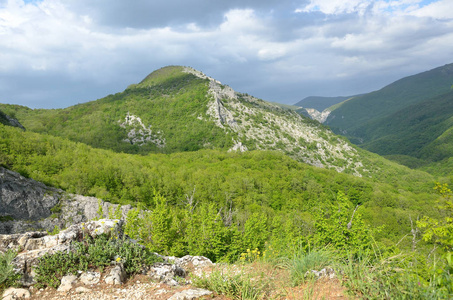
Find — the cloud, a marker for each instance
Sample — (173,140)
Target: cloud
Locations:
(81,50)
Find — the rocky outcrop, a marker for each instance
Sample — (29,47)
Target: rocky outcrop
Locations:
(321,117)
(265,126)
(28,205)
(34,245)
(139,134)
(9,121)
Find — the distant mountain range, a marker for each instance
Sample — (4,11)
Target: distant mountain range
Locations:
(409,120)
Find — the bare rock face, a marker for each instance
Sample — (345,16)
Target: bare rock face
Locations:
(27,205)
(24,199)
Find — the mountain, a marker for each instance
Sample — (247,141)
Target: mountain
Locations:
(404,118)
(320,103)
(177,109)
(420,130)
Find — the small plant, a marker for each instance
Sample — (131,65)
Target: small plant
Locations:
(303,262)
(55,231)
(7,275)
(234,284)
(251,256)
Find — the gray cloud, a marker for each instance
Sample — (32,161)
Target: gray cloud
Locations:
(59,53)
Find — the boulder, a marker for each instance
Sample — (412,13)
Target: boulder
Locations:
(116,276)
(13,293)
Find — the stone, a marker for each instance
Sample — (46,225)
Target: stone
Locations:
(166,273)
(67,283)
(190,294)
(82,289)
(28,205)
(117,275)
(90,277)
(13,293)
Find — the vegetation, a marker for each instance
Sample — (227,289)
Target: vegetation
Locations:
(410,118)
(89,252)
(382,233)
(7,275)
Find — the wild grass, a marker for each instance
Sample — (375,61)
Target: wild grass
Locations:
(303,262)
(237,283)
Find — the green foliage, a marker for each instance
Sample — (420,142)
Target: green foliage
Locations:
(440,231)
(402,276)
(168,100)
(342,228)
(8,277)
(92,253)
(237,285)
(285,193)
(411,117)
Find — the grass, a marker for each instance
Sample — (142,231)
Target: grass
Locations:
(237,283)
(304,262)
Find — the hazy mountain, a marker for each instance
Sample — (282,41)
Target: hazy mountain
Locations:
(320,103)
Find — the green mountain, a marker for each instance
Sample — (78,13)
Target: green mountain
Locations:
(213,172)
(403,119)
(178,109)
(420,130)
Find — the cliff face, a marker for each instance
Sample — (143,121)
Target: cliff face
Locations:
(25,199)
(29,205)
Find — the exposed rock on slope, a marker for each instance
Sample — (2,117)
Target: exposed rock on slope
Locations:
(7,120)
(265,126)
(28,205)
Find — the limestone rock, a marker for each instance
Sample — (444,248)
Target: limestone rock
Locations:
(90,277)
(117,275)
(13,293)
(190,294)
(67,283)
(28,205)
(166,273)
(82,289)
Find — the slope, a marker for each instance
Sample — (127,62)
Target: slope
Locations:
(320,103)
(178,109)
(420,130)
(355,117)
(238,184)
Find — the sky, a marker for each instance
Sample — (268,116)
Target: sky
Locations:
(57,53)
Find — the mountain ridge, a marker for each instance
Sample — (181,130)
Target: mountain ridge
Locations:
(179,108)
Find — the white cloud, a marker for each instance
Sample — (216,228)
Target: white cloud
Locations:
(439,10)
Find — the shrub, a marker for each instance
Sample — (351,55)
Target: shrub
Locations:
(96,252)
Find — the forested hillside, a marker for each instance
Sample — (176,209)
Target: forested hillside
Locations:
(177,109)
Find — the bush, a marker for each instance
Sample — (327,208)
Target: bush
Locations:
(96,252)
